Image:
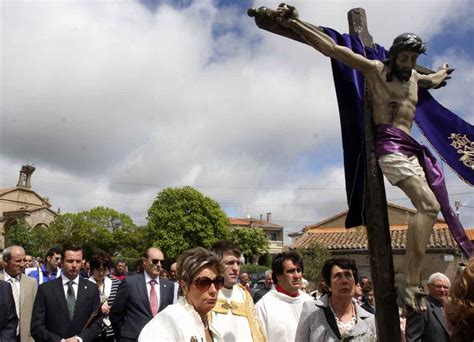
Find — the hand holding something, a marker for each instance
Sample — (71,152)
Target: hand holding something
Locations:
(286,14)
(446,72)
(105,309)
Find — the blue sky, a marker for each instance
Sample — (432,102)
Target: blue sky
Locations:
(115,100)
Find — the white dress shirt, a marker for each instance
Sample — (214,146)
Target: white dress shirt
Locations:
(75,285)
(148,286)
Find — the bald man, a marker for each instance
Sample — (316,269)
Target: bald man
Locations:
(140,297)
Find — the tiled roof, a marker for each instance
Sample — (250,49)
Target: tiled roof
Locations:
(255,223)
(470,234)
(238,221)
(356,238)
(390,206)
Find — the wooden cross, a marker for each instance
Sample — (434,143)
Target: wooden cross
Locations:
(378,231)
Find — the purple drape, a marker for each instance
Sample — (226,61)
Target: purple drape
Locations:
(434,120)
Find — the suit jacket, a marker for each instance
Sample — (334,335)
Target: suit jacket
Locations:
(8,318)
(131,309)
(259,294)
(51,322)
(28,288)
(429,326)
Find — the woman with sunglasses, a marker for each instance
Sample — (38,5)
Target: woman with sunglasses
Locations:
(199,280)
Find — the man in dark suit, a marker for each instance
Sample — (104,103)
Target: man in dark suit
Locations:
(140,297)
(8,318)
(431,325)
(67,308)
(268,286)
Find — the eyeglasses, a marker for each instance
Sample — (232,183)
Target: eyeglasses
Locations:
(204,283)
(156,261)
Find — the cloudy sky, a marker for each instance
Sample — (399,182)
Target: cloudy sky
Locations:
(115,100)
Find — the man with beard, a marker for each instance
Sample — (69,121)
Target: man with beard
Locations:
(431,325)
(280,308)
(393,88)
(234,314)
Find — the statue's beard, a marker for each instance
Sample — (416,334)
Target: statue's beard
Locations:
(403,74)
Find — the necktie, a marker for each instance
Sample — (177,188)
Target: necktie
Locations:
(153,298)
(70,299)
(16,295)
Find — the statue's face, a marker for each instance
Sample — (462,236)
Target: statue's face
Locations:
(404,65)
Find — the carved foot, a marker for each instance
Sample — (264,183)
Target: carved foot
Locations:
(409,297)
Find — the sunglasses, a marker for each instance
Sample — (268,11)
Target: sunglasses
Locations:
(204,283)
(156,261)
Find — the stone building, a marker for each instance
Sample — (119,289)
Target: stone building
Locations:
(442,254)
(21,202)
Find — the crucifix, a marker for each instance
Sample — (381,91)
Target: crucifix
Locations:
(389,101)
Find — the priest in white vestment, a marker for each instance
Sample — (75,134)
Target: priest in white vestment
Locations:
(234,315)
(280,308)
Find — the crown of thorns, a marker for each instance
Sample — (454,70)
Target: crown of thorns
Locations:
(407,42)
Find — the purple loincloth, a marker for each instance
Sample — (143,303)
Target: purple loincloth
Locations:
(390,139)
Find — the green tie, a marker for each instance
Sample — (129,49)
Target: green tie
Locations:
(71,299)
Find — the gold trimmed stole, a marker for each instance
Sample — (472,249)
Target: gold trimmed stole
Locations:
(246,309)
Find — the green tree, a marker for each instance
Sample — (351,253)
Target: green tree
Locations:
(252,242)
(98,228)
(130,241)
(314,257)
(183,218)
(21,233)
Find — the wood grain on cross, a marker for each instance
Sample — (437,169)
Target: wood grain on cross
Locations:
(378,232)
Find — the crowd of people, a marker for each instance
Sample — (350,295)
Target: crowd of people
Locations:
(204,296)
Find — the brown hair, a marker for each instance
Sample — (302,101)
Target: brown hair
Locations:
(100,259)
(459,309)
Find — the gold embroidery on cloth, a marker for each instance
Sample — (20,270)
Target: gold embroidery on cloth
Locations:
(223,307)
(246,309)
(463,146)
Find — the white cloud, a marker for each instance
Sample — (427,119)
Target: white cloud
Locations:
(111,92)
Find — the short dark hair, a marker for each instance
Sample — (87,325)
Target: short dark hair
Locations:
(100,259)
(344,263)
(222,247)
(121,260)
(74,248)
(403,42)
(406,42)
(280,258)
(52,251)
